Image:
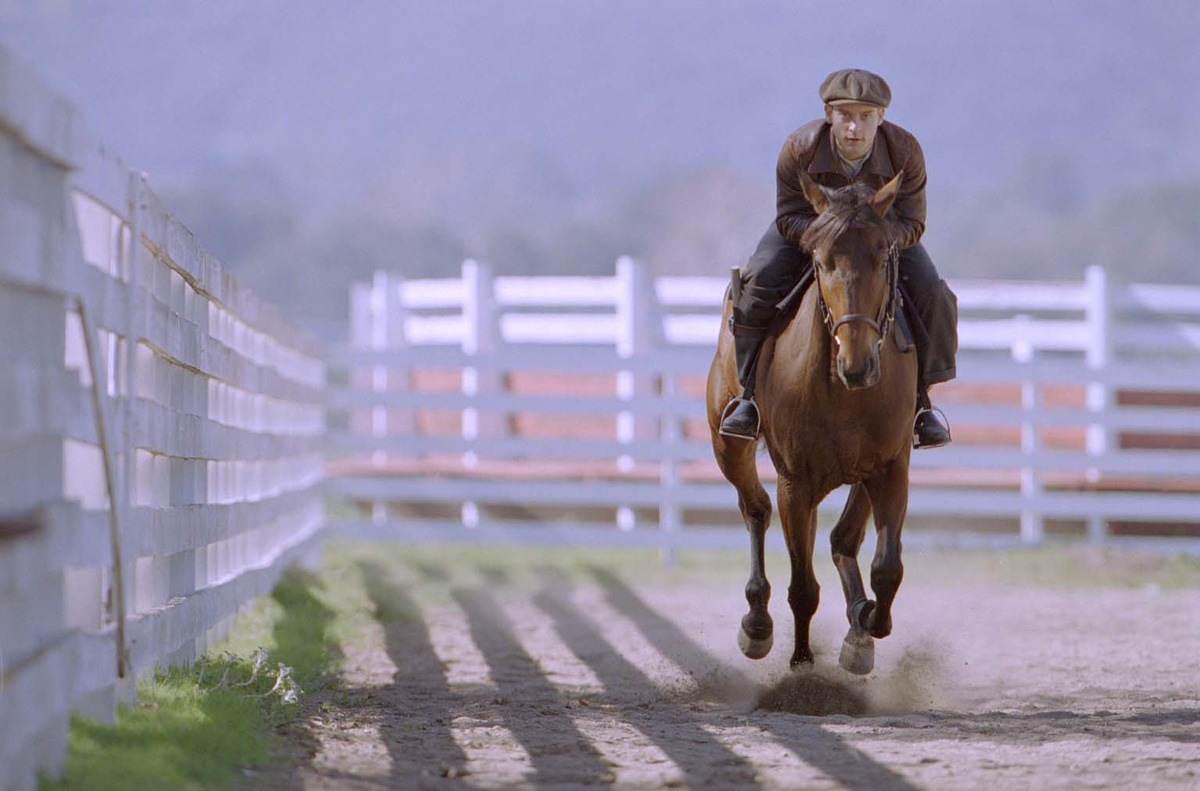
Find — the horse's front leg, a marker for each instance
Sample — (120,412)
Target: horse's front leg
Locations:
(888,491)
(858,649)
(757,635)
(798,513)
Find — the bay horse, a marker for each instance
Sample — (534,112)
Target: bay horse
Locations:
(836,401)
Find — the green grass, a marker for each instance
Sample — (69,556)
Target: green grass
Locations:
(196,727)
(178,736)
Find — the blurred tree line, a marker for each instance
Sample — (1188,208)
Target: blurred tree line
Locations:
(524,217)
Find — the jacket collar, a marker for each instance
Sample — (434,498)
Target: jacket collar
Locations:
(825,159)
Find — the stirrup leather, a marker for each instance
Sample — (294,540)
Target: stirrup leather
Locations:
(933,411)
(729,410)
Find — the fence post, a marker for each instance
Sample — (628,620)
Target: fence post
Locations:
(380,316)
(670,512)
(639,329)
(1099,395)
(481,338)
(133,272)
(1032,525)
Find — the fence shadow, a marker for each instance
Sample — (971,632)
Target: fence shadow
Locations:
(424,748)
(527,703)
(668,723)
(813,744)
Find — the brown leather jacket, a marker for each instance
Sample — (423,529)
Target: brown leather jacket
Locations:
(811,146)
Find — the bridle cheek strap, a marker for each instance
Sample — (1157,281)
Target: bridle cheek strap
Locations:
(881,326)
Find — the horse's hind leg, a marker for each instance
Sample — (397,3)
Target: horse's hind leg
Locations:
(858,649)
(736,460)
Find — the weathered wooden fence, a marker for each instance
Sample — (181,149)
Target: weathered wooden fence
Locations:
(160,433)
(507,404)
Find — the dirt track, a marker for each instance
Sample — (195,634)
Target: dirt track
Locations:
(531,674)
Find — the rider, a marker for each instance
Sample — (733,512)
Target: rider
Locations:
(852,143)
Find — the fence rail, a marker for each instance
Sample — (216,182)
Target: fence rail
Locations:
(161,452)
(510,402)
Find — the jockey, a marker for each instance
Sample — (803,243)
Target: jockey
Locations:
(852,143)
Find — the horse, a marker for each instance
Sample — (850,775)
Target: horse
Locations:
(836,403)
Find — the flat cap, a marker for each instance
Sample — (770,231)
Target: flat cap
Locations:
(855,86)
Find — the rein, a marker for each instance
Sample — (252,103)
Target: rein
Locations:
(881,325)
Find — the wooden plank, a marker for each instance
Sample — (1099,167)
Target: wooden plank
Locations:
(165,431)
(1148,463)
(571,358)
(38,117)
(1018,295)
(1138,507)
(587,493)
(1159,299)
(523,447)
(166,531)
(558,292)
(667,406)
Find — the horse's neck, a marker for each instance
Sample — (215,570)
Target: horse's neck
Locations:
(817,353)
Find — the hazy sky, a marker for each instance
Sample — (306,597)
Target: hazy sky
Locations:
(611,90)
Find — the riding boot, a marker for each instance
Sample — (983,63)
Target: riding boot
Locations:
(740,419)
(928,431)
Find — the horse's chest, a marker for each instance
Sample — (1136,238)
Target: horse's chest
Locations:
(831,454)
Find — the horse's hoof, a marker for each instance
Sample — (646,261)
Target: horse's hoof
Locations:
(802,660)
(755,649)
(858,653)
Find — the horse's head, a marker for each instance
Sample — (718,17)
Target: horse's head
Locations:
(854,259)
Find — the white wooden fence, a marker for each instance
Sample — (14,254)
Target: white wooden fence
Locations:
(160,434)
(501,403)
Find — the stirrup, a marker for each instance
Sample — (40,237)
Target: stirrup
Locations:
(729,410)
(933,410)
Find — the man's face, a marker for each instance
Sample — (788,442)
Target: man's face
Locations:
(854,127)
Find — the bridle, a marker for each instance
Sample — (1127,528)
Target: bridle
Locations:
(883,324)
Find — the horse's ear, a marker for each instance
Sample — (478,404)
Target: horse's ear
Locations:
(887,195)
(817,195)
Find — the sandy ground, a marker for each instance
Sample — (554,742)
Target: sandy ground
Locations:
(468,678)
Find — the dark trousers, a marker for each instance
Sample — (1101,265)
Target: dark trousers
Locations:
(777,265)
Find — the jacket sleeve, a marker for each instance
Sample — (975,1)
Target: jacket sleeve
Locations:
(908,211)
(793,212)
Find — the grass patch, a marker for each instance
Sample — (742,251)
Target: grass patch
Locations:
(196,727)
(180,735)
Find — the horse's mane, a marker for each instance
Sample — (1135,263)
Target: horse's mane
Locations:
(849,209)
